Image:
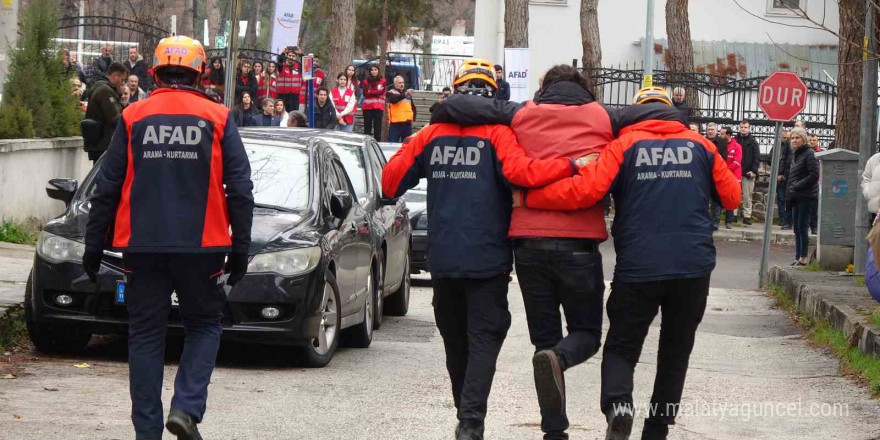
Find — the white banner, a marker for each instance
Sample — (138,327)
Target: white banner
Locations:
(285,24)
(516,67)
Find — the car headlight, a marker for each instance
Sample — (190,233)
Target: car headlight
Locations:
(59,249)
(288,263)
(422,222)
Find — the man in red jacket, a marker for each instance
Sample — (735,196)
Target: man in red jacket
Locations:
(557,253)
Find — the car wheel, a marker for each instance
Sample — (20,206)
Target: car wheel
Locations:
(48,338)
(379,298)
(319,351)
(361,335)
(398,302)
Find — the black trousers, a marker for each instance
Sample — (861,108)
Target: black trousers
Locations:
(95,155)
(814,215)
(573,280)
(473,319)
(373,123)
(631,309)
(151,279)
(291,101)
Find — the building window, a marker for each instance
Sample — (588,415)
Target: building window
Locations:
(786,7)
(549,2)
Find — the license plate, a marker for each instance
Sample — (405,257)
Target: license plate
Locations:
(120,295)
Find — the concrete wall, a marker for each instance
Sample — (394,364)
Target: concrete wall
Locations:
(555,35)
(26,165)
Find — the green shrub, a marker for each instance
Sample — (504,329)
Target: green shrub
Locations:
(13,233)
(36,84)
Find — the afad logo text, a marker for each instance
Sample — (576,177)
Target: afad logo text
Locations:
(518,74)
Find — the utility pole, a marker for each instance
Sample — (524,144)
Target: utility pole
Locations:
(648,48)
(231,50)
(867,135)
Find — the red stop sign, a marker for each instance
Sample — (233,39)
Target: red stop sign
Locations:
(782,96)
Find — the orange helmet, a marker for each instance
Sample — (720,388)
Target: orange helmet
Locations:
(180,51)
(477,71)
(649,94)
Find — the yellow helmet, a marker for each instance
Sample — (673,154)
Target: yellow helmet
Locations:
(180,51)
(649,94)
(473,77)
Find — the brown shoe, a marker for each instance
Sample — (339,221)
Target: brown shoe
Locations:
(549,382)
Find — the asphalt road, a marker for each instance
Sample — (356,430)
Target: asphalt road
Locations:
(752,376)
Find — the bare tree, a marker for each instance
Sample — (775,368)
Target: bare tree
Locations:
(342,17)
(254,14)
(592,58)
(516,23)
(185,19)
(213,19)
(849,78)
(681,50)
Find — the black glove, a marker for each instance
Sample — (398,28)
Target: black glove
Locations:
(92,263)
(236,267)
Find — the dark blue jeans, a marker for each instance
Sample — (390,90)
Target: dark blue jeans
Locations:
(573,280)
(784,214)
(800,223)
(399,132)
(151,280)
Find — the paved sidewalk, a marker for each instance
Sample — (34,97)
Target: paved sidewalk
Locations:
(754,232)
(15,265)
(836,298)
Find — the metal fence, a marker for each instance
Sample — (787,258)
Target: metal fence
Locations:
(723,100)
(87,35)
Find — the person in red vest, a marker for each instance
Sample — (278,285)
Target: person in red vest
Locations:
(344,100)
(289,84)
(373,91)
(267,84)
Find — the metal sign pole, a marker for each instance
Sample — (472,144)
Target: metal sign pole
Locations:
(770,203)
(648,49)
(867,139)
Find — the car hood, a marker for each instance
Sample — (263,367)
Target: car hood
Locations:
(272,230)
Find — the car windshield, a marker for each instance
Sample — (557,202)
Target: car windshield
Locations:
(352,158)
(389,151)
(280,175)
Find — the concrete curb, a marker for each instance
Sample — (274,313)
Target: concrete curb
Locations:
(17,247)
(819,304)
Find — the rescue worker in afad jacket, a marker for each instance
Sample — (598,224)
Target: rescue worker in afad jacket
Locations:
(176,178)
(470,172)
(662,177)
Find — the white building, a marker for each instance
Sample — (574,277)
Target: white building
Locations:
(718,27)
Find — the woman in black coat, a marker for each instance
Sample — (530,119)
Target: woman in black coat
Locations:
(802,192)
(245,81)
(244,113)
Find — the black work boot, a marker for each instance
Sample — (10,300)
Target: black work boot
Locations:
(549,382)
(469,429)
(655,430)
(620,423)
(182,425)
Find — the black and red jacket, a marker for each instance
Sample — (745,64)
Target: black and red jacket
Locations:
(662,177)
(176,177)
(469,172)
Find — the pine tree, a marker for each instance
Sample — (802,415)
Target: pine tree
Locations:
(37,99)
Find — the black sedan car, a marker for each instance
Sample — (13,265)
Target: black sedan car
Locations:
(363,160)
(314,267)
(417,202)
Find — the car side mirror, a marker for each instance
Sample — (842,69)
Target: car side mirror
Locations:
(62,189)
(383,201)
(340,204)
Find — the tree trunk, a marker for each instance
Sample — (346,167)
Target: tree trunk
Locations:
(342,15)
(592,59)
(516,23)
(849,80)
(383,59)
(214,28)
(250,36)
(681,48)
(185,19)
(427,65)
